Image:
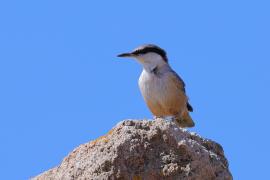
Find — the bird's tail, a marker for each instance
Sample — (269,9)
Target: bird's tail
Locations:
(185,120)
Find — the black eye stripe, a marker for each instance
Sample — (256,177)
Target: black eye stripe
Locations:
(157,50)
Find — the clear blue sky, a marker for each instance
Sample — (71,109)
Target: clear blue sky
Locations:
(62,84)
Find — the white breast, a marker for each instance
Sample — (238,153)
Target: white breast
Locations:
(161,94)
(152,87)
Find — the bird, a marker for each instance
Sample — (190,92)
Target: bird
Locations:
(161,87)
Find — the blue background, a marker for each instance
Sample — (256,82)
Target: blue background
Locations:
(62,85)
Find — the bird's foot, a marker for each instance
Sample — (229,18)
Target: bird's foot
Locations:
(168,118)
(156,117)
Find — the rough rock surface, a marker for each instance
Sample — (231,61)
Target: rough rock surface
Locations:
(144,150)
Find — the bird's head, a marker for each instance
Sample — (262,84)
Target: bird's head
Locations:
(148,55)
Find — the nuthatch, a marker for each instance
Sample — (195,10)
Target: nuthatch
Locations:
(162,89)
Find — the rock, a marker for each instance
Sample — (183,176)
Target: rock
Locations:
(144,150)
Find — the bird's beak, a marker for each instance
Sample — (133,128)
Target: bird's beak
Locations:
(125,55)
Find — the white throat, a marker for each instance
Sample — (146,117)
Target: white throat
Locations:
(149,67)
(150,61)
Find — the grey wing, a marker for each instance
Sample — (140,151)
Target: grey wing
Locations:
(183,85)
(180,80)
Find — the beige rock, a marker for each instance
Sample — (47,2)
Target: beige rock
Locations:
(144,150)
